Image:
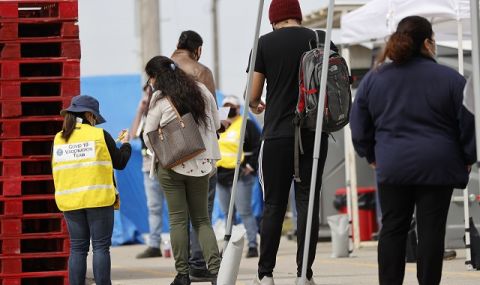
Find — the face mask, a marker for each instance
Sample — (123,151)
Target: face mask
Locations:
(232,113)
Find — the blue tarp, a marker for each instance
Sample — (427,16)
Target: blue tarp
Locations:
(119,97)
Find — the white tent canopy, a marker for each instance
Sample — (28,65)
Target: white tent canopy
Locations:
(379,18)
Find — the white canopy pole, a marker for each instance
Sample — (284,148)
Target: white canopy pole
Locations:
(461,68)
(466,205)
(228,230)
(347,137)
(352,194)
(318,137)
(474,19)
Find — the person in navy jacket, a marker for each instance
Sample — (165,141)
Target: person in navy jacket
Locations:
(408,121)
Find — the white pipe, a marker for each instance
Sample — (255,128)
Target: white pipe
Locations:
(466,214)
(354,199)
(461,68)
(347,137)
(466,209)
(228,230)
(318,137)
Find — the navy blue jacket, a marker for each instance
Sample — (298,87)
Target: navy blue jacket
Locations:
(409,120)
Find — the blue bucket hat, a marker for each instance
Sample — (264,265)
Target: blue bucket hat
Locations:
(84,103)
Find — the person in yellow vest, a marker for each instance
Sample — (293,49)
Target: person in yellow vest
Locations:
(229,143)
(83,159)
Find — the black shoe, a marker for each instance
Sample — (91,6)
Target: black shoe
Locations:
(252,252)
(181,279)
(202,275)
(150,252)
(449,254)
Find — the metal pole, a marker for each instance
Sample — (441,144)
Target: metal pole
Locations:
(216,49)
(347,137)
(461,69)
(318,137)
(474,19)
(466,205)
(228,230)
(353,189)
(348,186)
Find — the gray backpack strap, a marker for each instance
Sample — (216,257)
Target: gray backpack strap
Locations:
(296,156)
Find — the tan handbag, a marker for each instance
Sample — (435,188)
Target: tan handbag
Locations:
(178,141)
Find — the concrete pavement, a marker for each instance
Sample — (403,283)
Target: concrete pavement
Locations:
(360,269)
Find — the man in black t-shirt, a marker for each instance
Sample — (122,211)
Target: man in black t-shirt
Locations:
(277,62)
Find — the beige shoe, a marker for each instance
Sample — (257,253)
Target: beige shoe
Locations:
(265,281)
(308,282)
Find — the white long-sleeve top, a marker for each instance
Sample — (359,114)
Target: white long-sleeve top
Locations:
(160,113)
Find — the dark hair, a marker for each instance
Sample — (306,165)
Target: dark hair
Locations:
(70,122)
(189,40)
(407,41)
(178,86)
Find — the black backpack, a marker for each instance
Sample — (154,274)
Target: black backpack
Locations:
(338,99)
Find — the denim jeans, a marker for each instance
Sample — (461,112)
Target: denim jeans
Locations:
(196,260)
(243,205)
(155,197)
(94,224)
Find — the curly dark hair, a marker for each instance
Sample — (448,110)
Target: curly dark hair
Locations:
(178,86)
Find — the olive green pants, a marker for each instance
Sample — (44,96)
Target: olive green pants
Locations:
(188,196)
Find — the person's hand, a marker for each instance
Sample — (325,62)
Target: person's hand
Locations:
(469,168)
(248,169)
(373,165)
(225,124)
(123,136)
(258,109)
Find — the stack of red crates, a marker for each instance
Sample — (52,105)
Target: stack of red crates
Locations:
(39,74)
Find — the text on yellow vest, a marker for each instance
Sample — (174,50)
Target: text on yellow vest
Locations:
(82,170)
(229,142)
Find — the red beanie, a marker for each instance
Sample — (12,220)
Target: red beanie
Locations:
(284,9)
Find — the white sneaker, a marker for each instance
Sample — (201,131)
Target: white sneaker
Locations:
(265,281)
(308,282)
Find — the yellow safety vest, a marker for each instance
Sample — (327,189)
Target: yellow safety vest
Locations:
(229,142)
(82,170)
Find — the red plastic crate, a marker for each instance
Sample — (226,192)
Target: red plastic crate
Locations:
(63,9)
(37,107)
(25,148)
(27,185)
(29,245)
(15,265)
(35,89)
(34,226)
(38,29)
(39,68)
(15,167)
(35,278)
(30,127)
(51,48)
(18,206)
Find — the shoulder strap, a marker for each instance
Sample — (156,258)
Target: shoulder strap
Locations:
(298,148)
(182,124)
(174,109)
(317,38)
